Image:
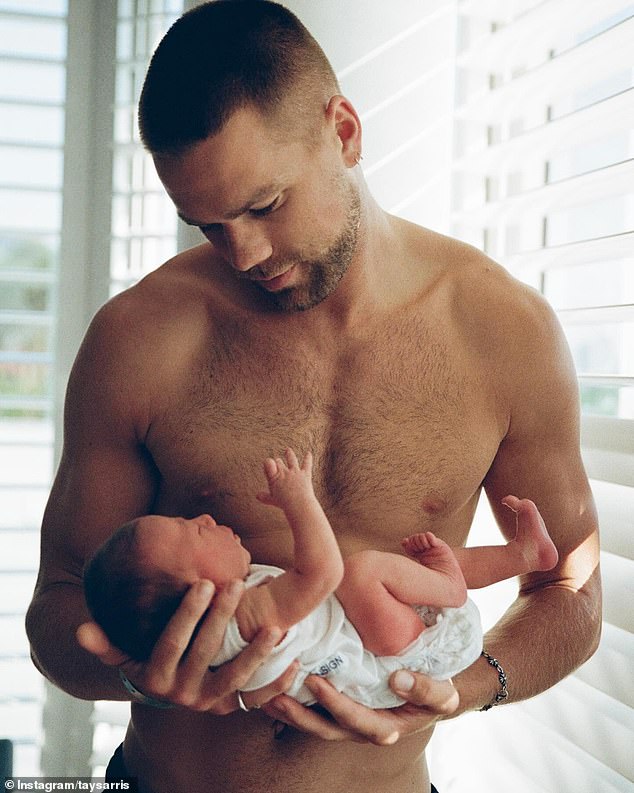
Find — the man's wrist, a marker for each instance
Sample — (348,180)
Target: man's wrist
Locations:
(502,692)
(139,696)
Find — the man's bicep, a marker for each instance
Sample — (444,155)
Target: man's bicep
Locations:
(540,459)
(94,492)
(106,476)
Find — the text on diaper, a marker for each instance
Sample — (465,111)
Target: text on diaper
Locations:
(330,665)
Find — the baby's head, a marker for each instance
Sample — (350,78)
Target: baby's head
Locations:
(136,580)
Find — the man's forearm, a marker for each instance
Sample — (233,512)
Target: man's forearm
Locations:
(51,623)
(543,637)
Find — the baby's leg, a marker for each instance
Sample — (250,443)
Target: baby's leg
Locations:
(378,589)
(433,553)
(530,550)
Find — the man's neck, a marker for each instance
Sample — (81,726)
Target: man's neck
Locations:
(367,284)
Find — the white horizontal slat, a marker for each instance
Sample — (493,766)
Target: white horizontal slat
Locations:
(609,465)
(36,432)
(19,550)
(603,432)
(588,187)
(28,276)
(603,380)
(615,505)
(16,591)
(613,114)
(14,641)
(23,507)
(20,720)
(608,449)
(584,65)
(19,679)
(594,722)
(37,318)
(544,23)
(567,255)
(496,10)
(26,465)
(610,668)
(618,590)
(597,314)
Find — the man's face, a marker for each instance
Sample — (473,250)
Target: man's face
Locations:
(280,214)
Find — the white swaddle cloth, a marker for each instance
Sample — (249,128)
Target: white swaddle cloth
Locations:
(326,643)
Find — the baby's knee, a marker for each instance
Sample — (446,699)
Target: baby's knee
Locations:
(362,563)
(359,569)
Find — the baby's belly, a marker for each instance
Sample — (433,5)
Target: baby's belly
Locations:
(176,750)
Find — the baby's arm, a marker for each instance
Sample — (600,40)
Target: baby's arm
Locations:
(317,566)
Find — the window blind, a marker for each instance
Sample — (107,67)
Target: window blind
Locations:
(543,178)
(32,84)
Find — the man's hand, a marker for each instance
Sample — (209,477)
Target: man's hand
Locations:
(427,701)
(182,676)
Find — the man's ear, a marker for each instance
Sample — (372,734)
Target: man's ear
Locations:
(343,118)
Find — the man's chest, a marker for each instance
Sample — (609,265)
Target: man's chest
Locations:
(402,436)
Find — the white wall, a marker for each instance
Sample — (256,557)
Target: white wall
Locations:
(396,65)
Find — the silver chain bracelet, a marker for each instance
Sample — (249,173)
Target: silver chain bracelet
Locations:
(503,692)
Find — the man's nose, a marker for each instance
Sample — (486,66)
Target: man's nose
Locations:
(246,244)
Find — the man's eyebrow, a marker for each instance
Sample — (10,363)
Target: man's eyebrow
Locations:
(263,192)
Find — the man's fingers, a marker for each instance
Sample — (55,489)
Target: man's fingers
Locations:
(210,634)
(305,719)
(436,696)
(357,720)
(262,696)
(174,640)
(235,674)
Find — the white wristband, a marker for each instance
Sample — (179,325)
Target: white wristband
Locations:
(139,696)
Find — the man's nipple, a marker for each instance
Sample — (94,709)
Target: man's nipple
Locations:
(434,505)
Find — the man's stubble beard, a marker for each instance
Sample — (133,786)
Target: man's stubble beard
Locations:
(324,272)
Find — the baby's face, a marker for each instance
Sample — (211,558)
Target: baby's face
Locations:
(191,549)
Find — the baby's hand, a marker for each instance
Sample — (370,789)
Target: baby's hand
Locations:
(286,479)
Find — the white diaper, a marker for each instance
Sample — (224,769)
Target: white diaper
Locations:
(327,644)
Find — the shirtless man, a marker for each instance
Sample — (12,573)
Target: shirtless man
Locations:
(310,318)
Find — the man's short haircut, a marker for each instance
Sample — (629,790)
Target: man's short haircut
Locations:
(224,55)
(132,604)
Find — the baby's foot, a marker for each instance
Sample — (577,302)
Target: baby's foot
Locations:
(430,551)
(532,536)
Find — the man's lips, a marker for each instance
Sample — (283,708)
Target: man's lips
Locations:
(277,282)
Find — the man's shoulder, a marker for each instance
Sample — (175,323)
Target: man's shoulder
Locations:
(163,299)
(486,296)
(489,309)
(147,331)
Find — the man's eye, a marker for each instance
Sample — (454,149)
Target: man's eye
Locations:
(265,210)
(210,228)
